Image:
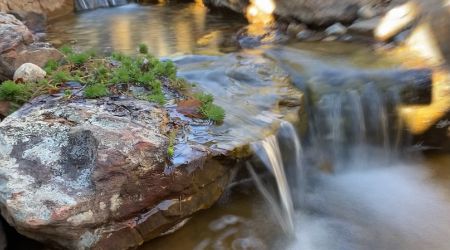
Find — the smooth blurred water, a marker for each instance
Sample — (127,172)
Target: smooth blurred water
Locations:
(167,28)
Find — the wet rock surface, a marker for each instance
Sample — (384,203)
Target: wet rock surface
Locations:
(95,174)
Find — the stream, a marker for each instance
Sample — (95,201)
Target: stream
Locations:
(352,181)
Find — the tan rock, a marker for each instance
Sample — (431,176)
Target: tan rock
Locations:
(29,72)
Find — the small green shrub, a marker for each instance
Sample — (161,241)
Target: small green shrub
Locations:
(204,98)
(172,139)
(118,56)
(66,50)
(167,69)
(147,78)
(78,58)
(208,109)
(60,76)
(51,66)
(213,112)
(143,48)
(96,91)
(11,91)
(179,84)
(121,75)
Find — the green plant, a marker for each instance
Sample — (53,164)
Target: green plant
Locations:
(143,48)
(66,50)
(78,58)
(167,69)
(14,92)
(67,93)
(121,75)
(172,140)
(51,66)
(95,91)
(208,109)
(179,84)
(204,98)
(213,112)
(60,76)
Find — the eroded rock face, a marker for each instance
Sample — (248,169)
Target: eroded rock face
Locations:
(17,46)
(94,174)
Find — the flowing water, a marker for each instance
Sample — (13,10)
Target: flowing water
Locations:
(350,181)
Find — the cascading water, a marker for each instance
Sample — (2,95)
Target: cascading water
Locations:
(93,4)
(354,185)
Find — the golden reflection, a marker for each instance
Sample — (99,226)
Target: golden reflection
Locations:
(421,51)
(260,11)
(420,118)
(121,37)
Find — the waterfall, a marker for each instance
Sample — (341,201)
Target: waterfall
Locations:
(348,128)
(270,153)
(93,4)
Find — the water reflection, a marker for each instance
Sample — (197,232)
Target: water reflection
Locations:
(167,28)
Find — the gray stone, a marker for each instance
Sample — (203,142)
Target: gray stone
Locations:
(29,72)
(294,28)
(336,29)
(364,27)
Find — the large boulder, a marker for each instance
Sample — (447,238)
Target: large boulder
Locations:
(17,47)
(95,174)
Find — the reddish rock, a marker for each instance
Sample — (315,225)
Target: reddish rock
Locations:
(82,175)
(17,47)
(190,108)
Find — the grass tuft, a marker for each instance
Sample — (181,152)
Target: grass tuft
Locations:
(143,48)
(14,92)
(96,91)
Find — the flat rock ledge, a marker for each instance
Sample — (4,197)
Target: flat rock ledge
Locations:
(94,174)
